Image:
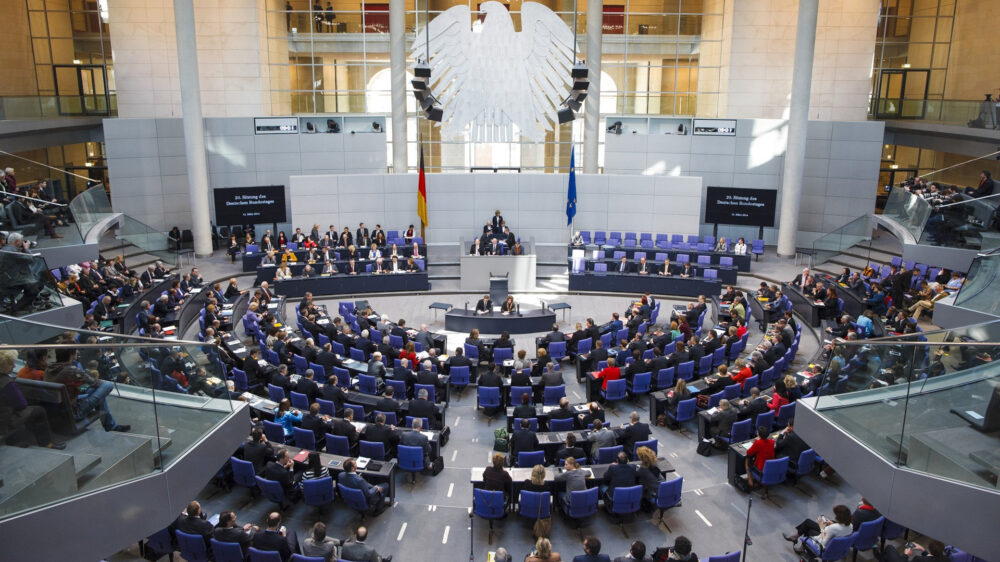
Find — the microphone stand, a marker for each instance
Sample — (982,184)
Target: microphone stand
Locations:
(472,539)
(746,534)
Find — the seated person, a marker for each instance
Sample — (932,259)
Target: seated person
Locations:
(824,530)
(620,474)
(375,493)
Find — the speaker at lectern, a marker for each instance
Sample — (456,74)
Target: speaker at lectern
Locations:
(498,287)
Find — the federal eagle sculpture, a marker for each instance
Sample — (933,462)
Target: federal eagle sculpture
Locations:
(491,79)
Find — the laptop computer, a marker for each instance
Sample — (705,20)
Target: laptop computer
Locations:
(986,421)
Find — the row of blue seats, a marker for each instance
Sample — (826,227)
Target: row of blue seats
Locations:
(665,241)
(399,242)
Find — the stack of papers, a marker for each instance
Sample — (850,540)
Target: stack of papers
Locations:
(363,462)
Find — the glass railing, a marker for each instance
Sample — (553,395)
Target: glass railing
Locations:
(150,240)
(57,107)
(922,401)
(834,243)
(982,285)
(979,114)
(907,209)
(26,285)
(90,207)
(117,408)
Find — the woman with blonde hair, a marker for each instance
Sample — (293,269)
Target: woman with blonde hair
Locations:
(649,473)
(792,386)
(543,552)
(536,483)
(680,392)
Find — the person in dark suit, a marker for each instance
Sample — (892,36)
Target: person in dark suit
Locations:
(497,222)
(554,336)
(633,433)
(193,522)
(362,238)
(424,408)
(320,425)
(620,474)
(258,450)
(695,350)
(680,355)
(624,266)
(494,247)
(570,450)
(721,422)
(351,479)
(280,378)
(458,360)
(752,406)
(399,330)
(522,441)
(984,188)
(228,530)
(477,248)
(276,539)
(525,409)
(592,551)
(598,354)
(719,381)
(388,436)
(280,470)
(789,444)
(864,513)
(934,552)
(484,305)
(345,428)
(328,359)
(306,385)
(356,549)
(417,439)
(642,268)
(387,403)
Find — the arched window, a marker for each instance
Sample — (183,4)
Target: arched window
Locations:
(377,96)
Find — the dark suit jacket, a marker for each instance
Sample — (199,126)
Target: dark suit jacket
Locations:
(194,526)
(359,551)
(307,387)
(620,475)
(346,429)
(520,378)
(317,425)
(525,411)
(382,434)
(789,445)
(575,452)
(523,440)
(278,473)
(632,434)
(724,420)
(622,267)
(397,331)
(272,540)
(335,394)
(386,404)
(415,439)
(483,306)
(233,534)
(424,409)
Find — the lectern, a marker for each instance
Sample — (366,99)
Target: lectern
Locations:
(498,288)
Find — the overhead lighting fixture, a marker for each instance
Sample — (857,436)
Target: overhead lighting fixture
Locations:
(77,61)
(421,83)
(577,94)
(906,65)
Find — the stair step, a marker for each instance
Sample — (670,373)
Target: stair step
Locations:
(123,456)
(33,476)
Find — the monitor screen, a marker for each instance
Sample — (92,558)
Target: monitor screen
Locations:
(250,205)
(749,207)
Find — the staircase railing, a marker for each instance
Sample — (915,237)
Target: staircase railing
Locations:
(851,234)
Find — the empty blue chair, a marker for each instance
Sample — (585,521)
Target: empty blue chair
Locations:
(553,394)
(583,346)
(227,551)
(372,449)
(398,388)
(273,491)
(557,350)
(488,396)
(472,352)
(705,366)
(300,558)
(803,466)
(749,384)
(739,433)
(565,424)
(665,378)
(527,459)
(685,412)
(244,474)
(501,354)
(714,399)
(299,400)
(411,459)
(359,411)
(757,248)
(625,501)
(615,390)
(685,370)
(274,432)
(343,377)
(732,392)
(517,391)
(317,492)
(668,495)
(304,438)
(600,238)
(608,455)
(240,381)
(534,505)
(396,341)
(357,354)
(367,385)
(338,445)
(585,234)
(621,335)
(460,377)
(580,505)
(275,393)
(192,547)
(355,499)
(640,384)
(489,505)
(338,348)
(300,364)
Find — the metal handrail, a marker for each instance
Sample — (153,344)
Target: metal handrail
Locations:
(9,194)
(968,201)
(889,341)
(144,341)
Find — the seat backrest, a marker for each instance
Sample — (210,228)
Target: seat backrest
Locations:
(338,445)
(258,555)
(274,432)
(532,423)
(583,503)
(616,389)
(608,455)
(535,504)
(411,459)
(488,504)
(665,378)
(626,499)
(685,370)
(489,396)
(553,394)
(243,472)
(740,431)
(730,557)
(838,547)
(640,382)
(354,498)
(459,375)
(192,547)
(669,493)
(774,471)
(565,424)
(686,409)
(226,551)
(299,400)
(530,458)
(304,438)
(372,449)
(318,491)
(868,533)
(584,346)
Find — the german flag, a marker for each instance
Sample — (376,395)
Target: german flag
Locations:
(422,192)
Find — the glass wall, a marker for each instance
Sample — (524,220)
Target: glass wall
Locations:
(911,56)
(76,165)
(72,53)
(916,400)
(660,57)
(982,286)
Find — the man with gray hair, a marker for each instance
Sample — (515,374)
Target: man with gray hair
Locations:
(633,433)
(376,368)
(17,243)
(416,438)
(306,385)
(424,408)
(424,338)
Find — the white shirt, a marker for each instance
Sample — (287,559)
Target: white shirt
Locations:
(740,249)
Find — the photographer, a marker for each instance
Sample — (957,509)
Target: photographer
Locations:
(933,553)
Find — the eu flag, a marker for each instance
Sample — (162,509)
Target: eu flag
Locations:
(571,190)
